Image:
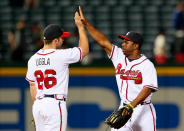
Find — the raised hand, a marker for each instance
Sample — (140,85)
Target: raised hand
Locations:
(83,18)
(78,20)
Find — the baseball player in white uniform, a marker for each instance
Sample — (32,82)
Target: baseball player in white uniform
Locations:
(135,75)
(48,75)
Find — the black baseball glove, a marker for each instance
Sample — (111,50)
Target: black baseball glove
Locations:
(119,117)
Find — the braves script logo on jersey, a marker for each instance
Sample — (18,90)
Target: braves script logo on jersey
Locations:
(135,75)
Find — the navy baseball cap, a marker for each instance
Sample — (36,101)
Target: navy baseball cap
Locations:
(53,31)
(133,36)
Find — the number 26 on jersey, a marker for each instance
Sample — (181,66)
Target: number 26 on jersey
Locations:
(45,78)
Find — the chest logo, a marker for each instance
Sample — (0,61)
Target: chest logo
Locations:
(135,75)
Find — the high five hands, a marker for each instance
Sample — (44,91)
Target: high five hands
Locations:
(78,20)
(83,18)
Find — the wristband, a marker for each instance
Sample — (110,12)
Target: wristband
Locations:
(131,106)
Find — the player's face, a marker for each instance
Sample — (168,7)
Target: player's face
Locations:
(128,47)
(59,42)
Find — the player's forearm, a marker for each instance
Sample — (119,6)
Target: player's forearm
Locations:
(33,91)
(83,41)
(98,36)
(141,96)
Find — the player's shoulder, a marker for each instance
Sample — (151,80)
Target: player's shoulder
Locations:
(117,49)
(147,62)
(69,50)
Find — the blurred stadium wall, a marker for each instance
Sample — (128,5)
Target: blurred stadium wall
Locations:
(92,97)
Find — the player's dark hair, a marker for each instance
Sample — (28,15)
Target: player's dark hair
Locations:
(47,42)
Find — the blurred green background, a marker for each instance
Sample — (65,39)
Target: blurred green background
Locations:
(112,17)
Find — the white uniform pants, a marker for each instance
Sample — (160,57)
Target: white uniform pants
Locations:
(50,114)
(143,119)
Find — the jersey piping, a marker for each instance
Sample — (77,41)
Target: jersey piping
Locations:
(29,80)
(153,118)
(128,74)
(156,88)
(80,54)
(125,60)
(60,116)
(46,53)
(112,52)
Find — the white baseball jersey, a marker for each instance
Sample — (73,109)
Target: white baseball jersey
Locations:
(48,69)
(133,76)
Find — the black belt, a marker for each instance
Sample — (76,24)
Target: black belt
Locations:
(53,96)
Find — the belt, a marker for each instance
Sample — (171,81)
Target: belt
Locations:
(55,96)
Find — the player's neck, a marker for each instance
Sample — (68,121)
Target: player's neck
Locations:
(134,56)
(51,46)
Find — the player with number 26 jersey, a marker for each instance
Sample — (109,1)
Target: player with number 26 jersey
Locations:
(50,72)
(48,76)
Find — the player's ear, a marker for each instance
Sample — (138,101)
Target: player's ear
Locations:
(136,46)
(55,40)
